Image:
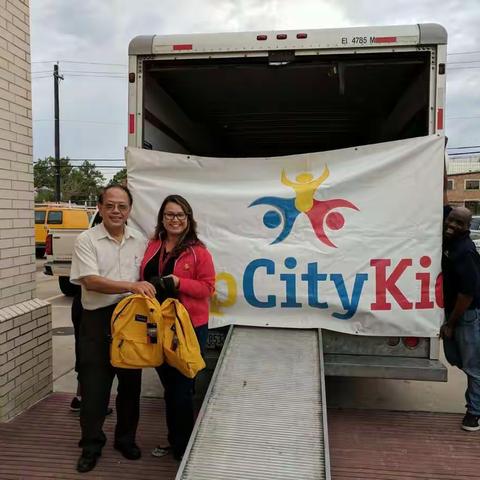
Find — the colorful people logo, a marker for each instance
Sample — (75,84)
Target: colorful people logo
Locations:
(319,212)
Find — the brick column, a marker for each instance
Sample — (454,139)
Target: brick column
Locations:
(25,322)
(25,356)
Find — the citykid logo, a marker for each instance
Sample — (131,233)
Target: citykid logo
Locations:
(319,212)
(280,278)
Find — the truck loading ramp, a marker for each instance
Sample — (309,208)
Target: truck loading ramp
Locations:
(264,414)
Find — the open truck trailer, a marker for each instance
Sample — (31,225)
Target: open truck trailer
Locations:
(274,93)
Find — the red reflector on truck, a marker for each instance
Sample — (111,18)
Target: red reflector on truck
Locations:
(440,119)
(183,46)
(411,342)
(131,123)
(261,37)
(301,35)
(281,36)
(385,40)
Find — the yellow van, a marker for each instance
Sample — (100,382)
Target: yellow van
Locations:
(57,216)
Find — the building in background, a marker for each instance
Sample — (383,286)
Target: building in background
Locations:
(25,322)
(464,182)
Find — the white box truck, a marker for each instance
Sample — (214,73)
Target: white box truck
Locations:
(273,93)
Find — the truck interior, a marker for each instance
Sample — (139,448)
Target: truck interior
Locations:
(284,104)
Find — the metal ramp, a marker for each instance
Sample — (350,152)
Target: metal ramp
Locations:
(264,415)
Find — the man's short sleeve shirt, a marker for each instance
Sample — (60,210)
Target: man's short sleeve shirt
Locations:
(96,252)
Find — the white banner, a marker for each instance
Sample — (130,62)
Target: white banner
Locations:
(347,240)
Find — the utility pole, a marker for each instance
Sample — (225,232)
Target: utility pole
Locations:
(56,79)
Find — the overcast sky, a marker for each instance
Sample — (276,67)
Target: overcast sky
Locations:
(94,108)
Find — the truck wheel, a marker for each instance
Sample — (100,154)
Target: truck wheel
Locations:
(67,287)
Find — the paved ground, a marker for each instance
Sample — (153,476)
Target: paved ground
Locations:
(364,445)
(42,443)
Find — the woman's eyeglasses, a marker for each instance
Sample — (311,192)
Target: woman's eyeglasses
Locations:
(179,216)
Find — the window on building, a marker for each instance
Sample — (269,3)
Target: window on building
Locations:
(473,206)
(54,217)
(472,184)
(450,185)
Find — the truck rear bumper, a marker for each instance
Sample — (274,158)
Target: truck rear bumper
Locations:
(60,269)
(371,366)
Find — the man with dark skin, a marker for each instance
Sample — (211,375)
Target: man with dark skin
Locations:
(461,289)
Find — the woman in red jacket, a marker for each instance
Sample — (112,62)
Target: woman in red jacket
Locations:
(176,255)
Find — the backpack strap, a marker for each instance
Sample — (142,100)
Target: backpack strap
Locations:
(121,311)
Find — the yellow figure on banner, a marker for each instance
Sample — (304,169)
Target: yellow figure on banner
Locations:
(217,304)
(305,187)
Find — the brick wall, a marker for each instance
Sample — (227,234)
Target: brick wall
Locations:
(25,356)
(17,242)
(25,323)
(458,195)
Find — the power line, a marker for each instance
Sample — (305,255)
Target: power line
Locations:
(465,61)
(463,118)
(462,68)
(464,53)
(463,148)
(96,159)
(120,75)
(82,63)
(463,153)
(81,121)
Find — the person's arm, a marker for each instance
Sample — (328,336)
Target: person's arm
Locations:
(466,272)
(461,305)
(203,286)
(101,284)
(85,272)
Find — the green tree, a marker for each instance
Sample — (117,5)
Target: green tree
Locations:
(78,183)
(44,176)
(120,177)
(83,184)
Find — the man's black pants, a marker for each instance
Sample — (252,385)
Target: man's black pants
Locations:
(96,375)
(178,393)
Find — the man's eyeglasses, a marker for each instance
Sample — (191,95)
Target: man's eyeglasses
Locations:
(122,207)
(179,216)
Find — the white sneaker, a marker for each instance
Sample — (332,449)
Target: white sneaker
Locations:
(162,451)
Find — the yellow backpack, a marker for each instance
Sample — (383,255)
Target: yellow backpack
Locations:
(180,344)
(137,333)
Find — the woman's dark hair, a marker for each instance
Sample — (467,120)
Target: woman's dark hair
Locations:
(189,236)
(115,185)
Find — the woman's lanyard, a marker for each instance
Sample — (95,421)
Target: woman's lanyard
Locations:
(163,259)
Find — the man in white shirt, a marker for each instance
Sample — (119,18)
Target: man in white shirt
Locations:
(106,263)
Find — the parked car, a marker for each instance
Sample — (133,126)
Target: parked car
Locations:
(475,224)
(57,216)
(59,249)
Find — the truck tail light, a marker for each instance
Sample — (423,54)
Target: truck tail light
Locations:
(131,123)
(411,342)
(301,36)
(261,37)
(440,119)
(48,245)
